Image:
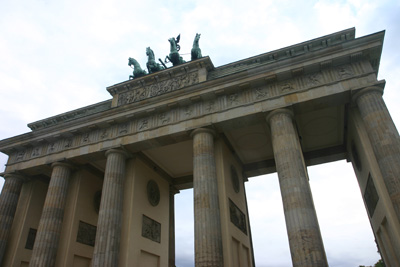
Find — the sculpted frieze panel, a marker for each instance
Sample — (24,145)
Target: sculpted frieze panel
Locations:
(86,234)
(68,143)
(209,106)
(123,128)
(30,240)
(287,86)
(36,152)
(104,133)
(344,71)
(164,118)
(260,92)
(314,79)
(197,107)
(234,99)
(143,124)
(238,218)
(188,111)
(159,88)
(151,229)
(51,147)
(85,138)
(20,155)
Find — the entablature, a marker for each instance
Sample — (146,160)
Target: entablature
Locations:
(203,99)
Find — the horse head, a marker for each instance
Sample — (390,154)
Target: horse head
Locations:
(149,52)
(130,62)
(172,41)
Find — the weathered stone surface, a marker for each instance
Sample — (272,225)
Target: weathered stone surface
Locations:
(305,241)
(108,236)
(49,231)
(384,137)
(207,222)
(8,204)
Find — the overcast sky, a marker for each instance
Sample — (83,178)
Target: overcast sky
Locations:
(56,56)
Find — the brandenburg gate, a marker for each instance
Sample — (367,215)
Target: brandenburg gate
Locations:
(95,186)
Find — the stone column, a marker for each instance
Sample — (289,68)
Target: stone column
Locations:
(48,235)
(305,241)
(8,204)
(171,245)
(384,139)
(207,221)
(108,236)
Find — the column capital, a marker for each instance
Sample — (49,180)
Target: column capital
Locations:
(116,150)
(370,89)
(278,111)
(16,176)
(203,130)
(173,190)
(64,164)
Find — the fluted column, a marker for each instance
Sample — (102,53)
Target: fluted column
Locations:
(384,139)
(207,222)
(48,235)
(305,241)
(8,204)
(171,245)
(108,235)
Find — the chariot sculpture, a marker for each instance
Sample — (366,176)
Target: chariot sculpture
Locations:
(174,57)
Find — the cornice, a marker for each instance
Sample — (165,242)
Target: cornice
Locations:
(281,76)
(246,98)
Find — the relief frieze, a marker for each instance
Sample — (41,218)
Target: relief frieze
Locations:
(237,217)
(123,128)
(164,118)
(159,88)
(151,229)
(196,108)
(344,71)
(287,86)
(85,138)
(36,152)
(51,148)
(68,143)
(20,155)
(260,93)
(314,79)
(234,99)
(86,234)
(143,124)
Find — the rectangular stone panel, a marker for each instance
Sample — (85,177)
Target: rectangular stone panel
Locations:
(246,256)
(235,253)
(86,234)
(149,260)
(151,229)
(371,196)
(30,241)
(237,217)
(80,261)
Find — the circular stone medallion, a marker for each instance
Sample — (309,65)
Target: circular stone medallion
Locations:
(153,193)
(235,179)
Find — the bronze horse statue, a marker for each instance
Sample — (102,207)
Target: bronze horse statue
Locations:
(152,65)
(137,70)
(196,51)
(174,56)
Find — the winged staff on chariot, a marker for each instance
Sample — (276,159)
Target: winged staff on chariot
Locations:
(174,57)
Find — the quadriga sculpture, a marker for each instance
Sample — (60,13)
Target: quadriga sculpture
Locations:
(137,70)
(152,65)
(196,51)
